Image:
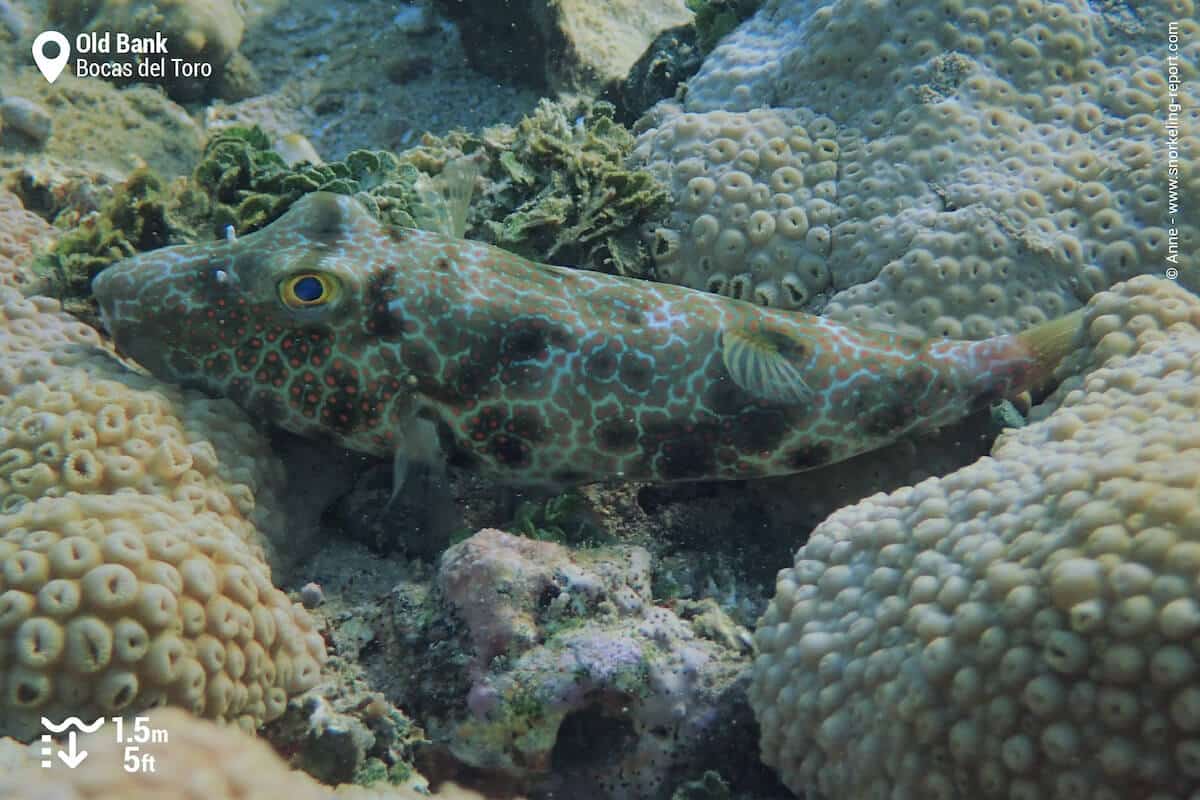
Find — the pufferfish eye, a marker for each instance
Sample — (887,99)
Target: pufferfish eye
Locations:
(307,289)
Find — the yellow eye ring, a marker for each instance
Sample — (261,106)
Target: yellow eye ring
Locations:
(307,289)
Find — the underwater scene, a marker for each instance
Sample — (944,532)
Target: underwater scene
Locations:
(599,400)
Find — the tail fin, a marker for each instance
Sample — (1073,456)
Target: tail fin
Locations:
(1052,341)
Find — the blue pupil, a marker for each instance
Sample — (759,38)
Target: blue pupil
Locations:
(308,289)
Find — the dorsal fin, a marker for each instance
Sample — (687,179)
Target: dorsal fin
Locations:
(457,184)
(767,363)
(446,199)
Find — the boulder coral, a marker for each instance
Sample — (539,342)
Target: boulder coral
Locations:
(956,168)
(1023,627)
(132,566)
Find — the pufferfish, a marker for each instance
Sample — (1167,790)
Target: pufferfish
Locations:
(432,349)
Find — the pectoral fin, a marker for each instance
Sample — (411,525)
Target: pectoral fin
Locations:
(417,445)
(767,363)
(421,490)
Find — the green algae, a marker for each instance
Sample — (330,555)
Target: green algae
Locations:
(250,185)
(141,215)
(562,518)
(556,187)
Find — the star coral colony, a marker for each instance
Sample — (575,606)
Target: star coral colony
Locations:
(132,57)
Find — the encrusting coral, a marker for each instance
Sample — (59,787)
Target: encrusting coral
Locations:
(559,634)
(972,168)
(1025,626)
(132,571)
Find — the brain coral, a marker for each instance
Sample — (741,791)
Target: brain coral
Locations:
(952,168)
(1026,626)
(131,570)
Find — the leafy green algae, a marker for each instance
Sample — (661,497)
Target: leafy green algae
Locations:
(139,216)
(250,185)
(556,188)
(241,183)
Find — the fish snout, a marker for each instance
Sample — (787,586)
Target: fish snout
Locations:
(128,316)
(109,287)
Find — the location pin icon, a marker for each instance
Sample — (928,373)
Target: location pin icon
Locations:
(51,68)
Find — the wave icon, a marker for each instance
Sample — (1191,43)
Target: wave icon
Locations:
(72,722)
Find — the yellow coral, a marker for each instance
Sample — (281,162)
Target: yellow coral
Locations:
(116,603)
(132,572)
(1023,626)
(73,419)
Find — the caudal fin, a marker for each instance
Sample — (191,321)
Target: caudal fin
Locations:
(1053,341)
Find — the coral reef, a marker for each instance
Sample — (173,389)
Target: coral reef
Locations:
(133,569)
(116,603)
(570,47)
(1020,627)
(343,732)
(22,234)
(196,31)
(981,167)
(567,646)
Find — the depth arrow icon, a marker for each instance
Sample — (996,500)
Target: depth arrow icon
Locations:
(71,758)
